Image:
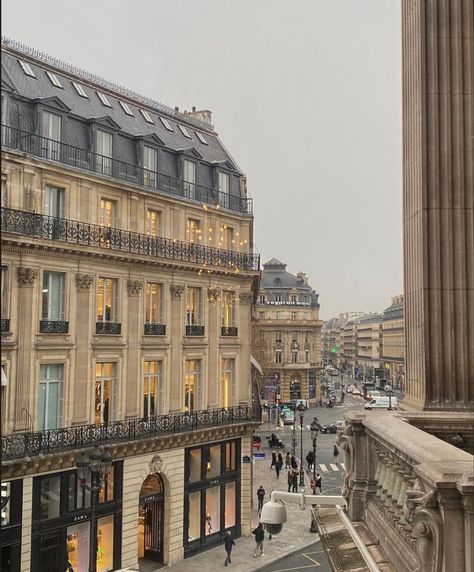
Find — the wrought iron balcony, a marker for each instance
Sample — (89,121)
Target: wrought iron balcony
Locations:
(58,152)
(108,328)
(229,331)
(114,239)
(152,329)
(20,445)
(5,325)
(194,330)
(53,327)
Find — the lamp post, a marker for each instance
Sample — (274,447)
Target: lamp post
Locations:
(99,463)
(388,389)
(314,436)
(301,410)
(293,433)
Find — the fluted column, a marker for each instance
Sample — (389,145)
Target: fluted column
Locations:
(82,387)
(24,374)
(213,295)
(134,321)
(176,336)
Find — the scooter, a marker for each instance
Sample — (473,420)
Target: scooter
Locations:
(329,404)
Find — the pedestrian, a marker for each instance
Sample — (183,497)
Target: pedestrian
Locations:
(259,538)
(280,459)
(310,460)
(278,466)
(274,460)
(294,463)
(295,482)
(288,461)
(336,453)
(290,480)
(228,544)
(260,497)
(319,484)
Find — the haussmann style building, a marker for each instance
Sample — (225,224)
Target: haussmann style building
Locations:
(127,282)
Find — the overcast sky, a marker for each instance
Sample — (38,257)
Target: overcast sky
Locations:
(305,95)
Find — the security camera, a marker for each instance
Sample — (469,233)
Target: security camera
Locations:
(273,516)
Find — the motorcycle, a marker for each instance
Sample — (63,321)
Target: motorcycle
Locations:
(329,404)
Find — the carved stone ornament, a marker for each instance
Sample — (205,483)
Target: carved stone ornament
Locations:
(134,287)
(213,294)
(176,290)
(27,276)
(156,464)
(246,297)
(84,281)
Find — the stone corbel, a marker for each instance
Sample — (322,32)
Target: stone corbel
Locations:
(246,297)
(428,533)
(26,277)
(176,290)
(84,282)
(213,294)
(134,287)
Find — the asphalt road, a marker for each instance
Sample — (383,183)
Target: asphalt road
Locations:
(311,558)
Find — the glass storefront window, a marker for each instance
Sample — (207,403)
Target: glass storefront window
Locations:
(77,545)
(213,510)
(194,465)
(230,456)
(106,493)
(194,529)
(105,543)
(5,512)
(50,489)
(72,492)
(229,513)
(83,493)
(213,467)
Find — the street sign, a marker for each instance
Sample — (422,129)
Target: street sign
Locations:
(259,455)
(278,397)
(245,459)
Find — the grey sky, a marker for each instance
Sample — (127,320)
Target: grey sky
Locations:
(306,96)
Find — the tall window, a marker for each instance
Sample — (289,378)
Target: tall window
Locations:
(150,166)
(227,389)
(105,391)
(278,356)
(152,388)
(153,303)
(192,385)
(51,135)
(228,238)
(104,152)
(293,315)
(262,299)
(189,179)
(53,296)
(153,222)
(224,186)
(4,297)
(278,336)
(277,297)
(193,230)
(193,306)
(306,356)
(108,213)
(228,309)
(294,356)
(293,298)
(50,403)
(54,202)
(107,300)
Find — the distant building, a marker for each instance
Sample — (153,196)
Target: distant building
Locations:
(368,345)
(286,334)
(393,341)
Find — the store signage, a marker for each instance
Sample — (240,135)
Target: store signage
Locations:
(275,303)
(214,482)
(80,517)
(245,459)
(259,455)
(151,498)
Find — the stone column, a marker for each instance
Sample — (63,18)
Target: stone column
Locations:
(176,337)
(213,384)
(82,384)
(453,527)
(26,327)
(134,321)
(245,314)
(468,505)
(438,192)
(360,460)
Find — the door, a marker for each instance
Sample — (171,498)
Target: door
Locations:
(151,519)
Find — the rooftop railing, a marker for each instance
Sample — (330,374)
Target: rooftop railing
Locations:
(17,446)
(77,157)
(114,239)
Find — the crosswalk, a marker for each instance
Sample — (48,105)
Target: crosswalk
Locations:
(323,468)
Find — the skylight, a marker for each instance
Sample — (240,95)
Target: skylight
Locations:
(200,136)
(80,90)
(126,108)
(147,116)
(166,123)
(27,68)
(184,131)
(54,79)
(104,99)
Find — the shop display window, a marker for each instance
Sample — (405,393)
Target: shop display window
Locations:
(105,543)
(229,513)
(83,494)
(213,465)
(77,545)
(50,489)
(194,465)
(213,510)
(106,493)
(194,529)
(5,510)
(230,456)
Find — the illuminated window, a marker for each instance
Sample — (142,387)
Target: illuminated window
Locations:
(153,303)
(152,388)
(105,390)
(193,230)
(107,300)
(193,306)
(108,210)
(227,388)
(192,385)
(228,308)
(213,511)
(189,185)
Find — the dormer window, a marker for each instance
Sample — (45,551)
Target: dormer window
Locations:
(104,99)
(126,108)
(80,90)
(147,116)
(54,79)
(27,68)
(166,123)
(200,136)
(184,131)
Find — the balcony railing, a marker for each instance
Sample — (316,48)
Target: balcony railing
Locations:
(85,234)
(81,158)
(152,329)
(53,327)
(194,330)
(5,325)
(108,328)
(20,445)
(229,331)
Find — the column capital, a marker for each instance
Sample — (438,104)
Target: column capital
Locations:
(134,287)
(176,290)
(246,297)
(26,277)
(213,294)
(84,282)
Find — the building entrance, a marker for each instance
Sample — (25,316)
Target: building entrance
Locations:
(295,390)
(151,519)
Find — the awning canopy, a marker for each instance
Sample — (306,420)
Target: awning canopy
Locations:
(256,365)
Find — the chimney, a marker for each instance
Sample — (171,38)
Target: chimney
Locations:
(203,115)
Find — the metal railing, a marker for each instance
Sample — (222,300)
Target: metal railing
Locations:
(108,328)
(85,234)
(5,325)
(152,329)
(21,445)
(53,327)
(229,331)
(193,330)
(77,157)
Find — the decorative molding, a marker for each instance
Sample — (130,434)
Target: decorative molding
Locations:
(246,297)
(213,294)
(176,290)
(84,282)
(156,464)
(26,276)
(134,287)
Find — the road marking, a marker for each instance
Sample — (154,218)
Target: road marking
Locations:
(323,468)
(334,467)
(313,561)
(299,567)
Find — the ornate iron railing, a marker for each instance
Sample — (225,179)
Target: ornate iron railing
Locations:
(83,159)
(108,328)
(152,329)
(20,445)
(5,325)
(53,327)
(194,330)
(85,234)
(229,331)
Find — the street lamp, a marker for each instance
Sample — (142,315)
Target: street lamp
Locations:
(314,436)
(388,389)
(99,463)
(293,433)
(301,410)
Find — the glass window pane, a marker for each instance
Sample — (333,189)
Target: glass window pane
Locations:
(194,465)
(230,458)
(49,497)
(77,545)
(213,467)
(105,543)
(213,512)
(229,512)
(106,493)
(194,529)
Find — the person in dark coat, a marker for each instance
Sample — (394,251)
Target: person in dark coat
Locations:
(288,461)
(280,459)
(278,466)
(274,460)
(310,460)
(294,462)
(290,480)
(336,453)
(259,538)
(319,483)
(260,497)
(228,544)
(295,482)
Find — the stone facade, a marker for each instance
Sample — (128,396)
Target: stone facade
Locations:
(393,342)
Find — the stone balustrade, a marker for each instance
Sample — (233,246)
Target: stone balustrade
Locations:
(414,491)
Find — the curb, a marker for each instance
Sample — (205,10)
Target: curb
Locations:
(317,538)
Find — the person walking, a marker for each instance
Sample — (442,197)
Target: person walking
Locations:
(259,538)
(319,484)
(336,453)
(290,480)
(278,466)
(274,460)
(294,462)
(295,482)
(310,460)
(260,497)
(228,544)
(288,461)
(280,459)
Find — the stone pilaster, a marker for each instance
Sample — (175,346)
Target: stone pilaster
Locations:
(245,315)
(176,334)
(82,384)
(453,527)
(25,562)
(23,387)
(133,384)
(213,295)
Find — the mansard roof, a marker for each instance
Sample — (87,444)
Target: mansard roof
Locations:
(275,276)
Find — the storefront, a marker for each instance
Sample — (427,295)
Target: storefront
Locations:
(10,527)
(212,495)
(62,525)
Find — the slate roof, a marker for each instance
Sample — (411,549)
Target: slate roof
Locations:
(276,270)
(41,87)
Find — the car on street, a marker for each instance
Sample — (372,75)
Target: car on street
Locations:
(350,388)
(373,394)
(288,417)
(356,391)
(332,427)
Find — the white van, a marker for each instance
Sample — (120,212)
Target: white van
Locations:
(382,403)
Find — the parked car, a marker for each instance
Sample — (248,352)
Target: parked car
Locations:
(350,388)
(289,417)
(332,427)
(381,403)
(356,391)
(373,394)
